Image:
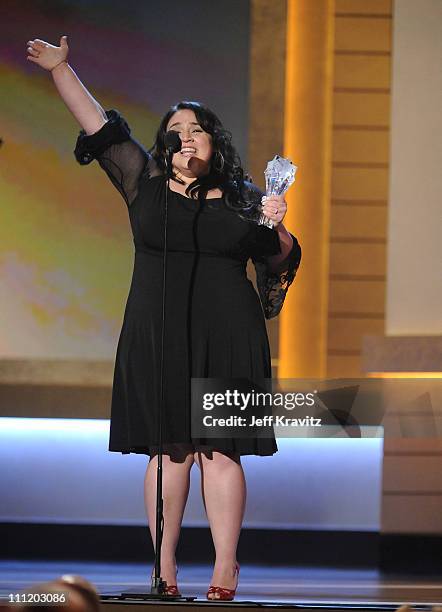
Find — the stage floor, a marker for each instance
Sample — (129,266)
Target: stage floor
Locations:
(296,585)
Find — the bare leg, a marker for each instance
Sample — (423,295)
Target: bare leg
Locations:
(176,482)
(224,494)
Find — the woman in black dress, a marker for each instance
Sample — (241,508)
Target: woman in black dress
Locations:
(215,320)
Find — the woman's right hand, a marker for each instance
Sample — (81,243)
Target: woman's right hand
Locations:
(46,55)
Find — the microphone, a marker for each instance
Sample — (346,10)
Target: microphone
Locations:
(172,141)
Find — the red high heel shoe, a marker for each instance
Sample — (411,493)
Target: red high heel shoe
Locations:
(222,594)
(170,589)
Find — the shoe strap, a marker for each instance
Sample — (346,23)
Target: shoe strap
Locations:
(221,590)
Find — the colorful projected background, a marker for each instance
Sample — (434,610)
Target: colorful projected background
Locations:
(66,250)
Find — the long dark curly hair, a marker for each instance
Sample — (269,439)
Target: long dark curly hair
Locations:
(225,172)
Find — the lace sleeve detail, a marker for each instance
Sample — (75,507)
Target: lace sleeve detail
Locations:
(273,285)
(124,160)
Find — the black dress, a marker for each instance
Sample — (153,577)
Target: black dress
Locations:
(215,324)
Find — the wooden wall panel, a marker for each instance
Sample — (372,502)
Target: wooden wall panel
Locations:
(360,180)
(413,447)
(361,147)
(358,222)
(355,34)
(357,259)
(360,183)
(361,109)
(346,333)
(412,462)
(402,474)
(416,513)
(412,487)
(363,297)
(362,72)
(363,7)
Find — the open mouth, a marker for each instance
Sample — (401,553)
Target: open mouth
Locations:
(188,151)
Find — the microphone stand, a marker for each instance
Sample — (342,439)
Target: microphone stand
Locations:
(158,585)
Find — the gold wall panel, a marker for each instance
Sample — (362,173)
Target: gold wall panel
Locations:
(362,72)
(358,259)
(363,297)
(353,34)
(363,7)
(361,109)
(346,333)
(363,147)
(358,222)
(360,183)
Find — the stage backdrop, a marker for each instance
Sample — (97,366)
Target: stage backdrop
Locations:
(66,250)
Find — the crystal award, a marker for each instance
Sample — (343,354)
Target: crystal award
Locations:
(279,175)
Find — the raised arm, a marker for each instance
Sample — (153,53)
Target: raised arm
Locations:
(105,135)
(86,110)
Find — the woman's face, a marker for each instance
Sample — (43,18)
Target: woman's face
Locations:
(196,145)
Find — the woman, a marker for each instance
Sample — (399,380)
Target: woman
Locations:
(215,325)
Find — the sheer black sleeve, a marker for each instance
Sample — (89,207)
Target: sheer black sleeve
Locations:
(272,285)
(124,160)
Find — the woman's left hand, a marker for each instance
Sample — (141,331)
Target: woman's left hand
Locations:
(274,207)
